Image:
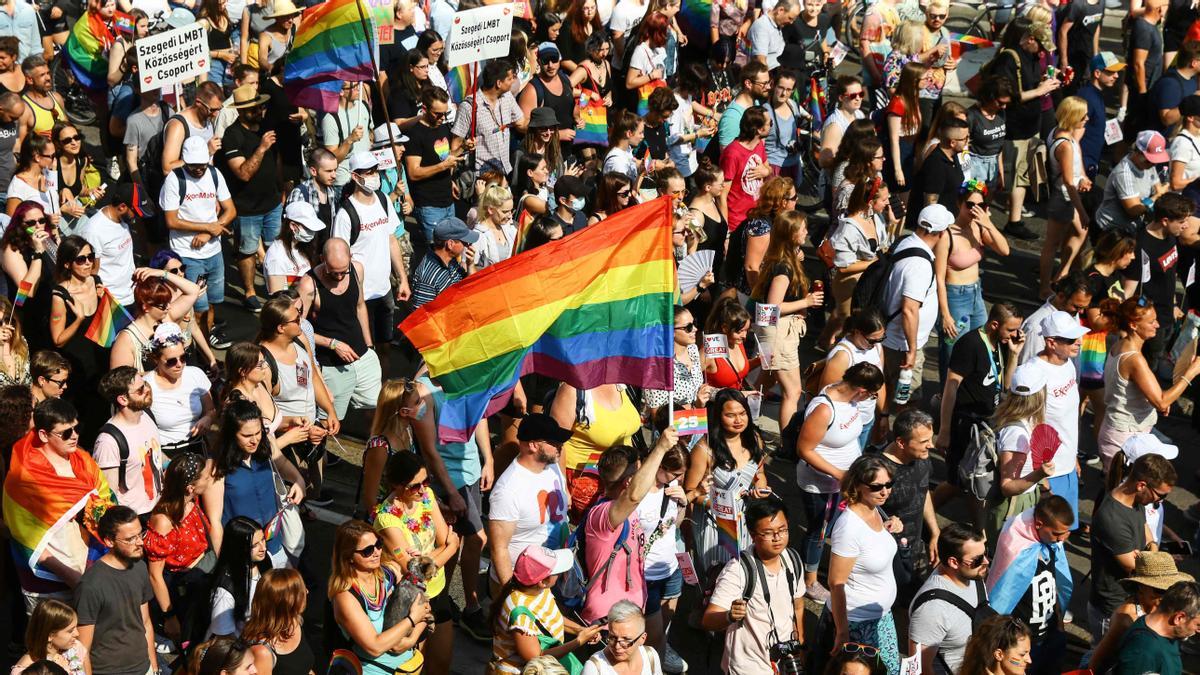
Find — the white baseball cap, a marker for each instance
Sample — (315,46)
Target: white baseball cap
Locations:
(195,151)
(935,218)
(1061,324)
(303,213)
(363,160)
(1140,445)
(1028,380)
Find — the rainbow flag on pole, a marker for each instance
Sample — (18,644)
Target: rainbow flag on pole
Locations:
(459,83)
(330,48)
(110,319)
(86,51)
(23,290)
(592,308)
(960,44)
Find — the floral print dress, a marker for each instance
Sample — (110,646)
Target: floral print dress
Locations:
(420,532)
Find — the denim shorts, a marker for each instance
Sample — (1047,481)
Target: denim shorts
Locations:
(263,228)
(429,216)
(214,267)
(663,589)
(984,168)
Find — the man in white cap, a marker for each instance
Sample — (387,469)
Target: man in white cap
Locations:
(197,209)
(394,182)
(1120,530)
(1062,334)
(911,304)
(1133,449)
(368,222)
(283,264)
(1133,184)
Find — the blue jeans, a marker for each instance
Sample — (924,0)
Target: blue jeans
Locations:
(822,510)
(218,73)
(262,228)
(985,169)
(430,216)
(865,437)
(966,306)
(214,292)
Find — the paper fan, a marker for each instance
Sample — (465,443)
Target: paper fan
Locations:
(1043,443)
(693,268)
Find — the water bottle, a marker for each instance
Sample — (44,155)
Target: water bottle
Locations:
(960,327)
(903,387)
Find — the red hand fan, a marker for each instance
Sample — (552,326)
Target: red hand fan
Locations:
(1043,443)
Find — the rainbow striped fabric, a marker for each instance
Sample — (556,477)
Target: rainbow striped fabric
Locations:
(460,83)
(86,51)
(330,48)
(644,91)
(960,43)
(695,19)
(24,288)
(110,319)
(594,116)
(38,502)
(589,309)
(816,102)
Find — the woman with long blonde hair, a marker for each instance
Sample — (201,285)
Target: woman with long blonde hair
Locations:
(497,233)
(1067,219)
(784,284)
(1019,413)
(14,350)
(362,576)
(749,242)
(276,616)
(391,432)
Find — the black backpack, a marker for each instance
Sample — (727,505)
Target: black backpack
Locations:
(977,614)
(150,163)
(122,450)
(752,568)
(872,287)
(352,213)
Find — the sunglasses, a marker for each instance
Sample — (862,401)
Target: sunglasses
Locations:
(37,221)
(85,259)
(854,96)
(173,361)
(161,308)
(857,648)
(58,383)
(418,486)
(68,139)
(687,328)
(369,550)
(624,193)
(975,562)
(982,205)
(880,487)
(174,270)
(337,275)
(68,433)
(936,17)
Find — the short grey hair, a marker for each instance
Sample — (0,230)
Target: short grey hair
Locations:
(625,610)
(909,421)
(1183,596)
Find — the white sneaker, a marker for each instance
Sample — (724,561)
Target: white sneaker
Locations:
(673,663)
(1068,617)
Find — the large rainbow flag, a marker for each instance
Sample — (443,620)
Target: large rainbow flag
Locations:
(38,503)
(330,48)
(592,308)
(110,319)
(695,19)
(86,51)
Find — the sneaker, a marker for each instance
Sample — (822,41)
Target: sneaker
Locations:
(475,624)
(1095,462)
(673,663)
(817,593)
(1068,617)
(1020,231)
(252,303)
(218,340)
(1026,212)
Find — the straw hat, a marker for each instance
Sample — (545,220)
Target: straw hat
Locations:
(247,96)
(282,8)
(1156,570)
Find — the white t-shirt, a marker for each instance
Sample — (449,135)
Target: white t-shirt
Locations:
(839,446)
(660,561)
(223,622)
(747,643)
(621,161)
(1186,148)
(536,502)
(200,204)
(176,410)
(277,263)
(911,278)
(625,15)
(871,588)
(1015,439)
(373,248)
(1062,411)
(604,10)
(113,246)
(599,665)
(646,58)
(27,193)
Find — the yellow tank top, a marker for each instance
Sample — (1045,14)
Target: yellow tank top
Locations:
(607,428)
(44,119)
(419,531)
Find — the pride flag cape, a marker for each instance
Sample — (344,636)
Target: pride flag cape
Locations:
(38,502)
(110,319)
(589,309)
(695,19)
(1017,553)
(86,51)
(330,48)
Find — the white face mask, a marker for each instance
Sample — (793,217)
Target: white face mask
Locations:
(371,183)
(303,234)
(578,203)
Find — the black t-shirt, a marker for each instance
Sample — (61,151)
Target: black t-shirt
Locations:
(1104,287)
(656,141)
(907,500)
(1022,118)
(401,105)
(287,132)
(987,136)
(982,375)
(1087,18)
(1038,607)
(432,145)
(578,221)
(1116,530)
(781,268)
(1156,265)
(802,42)
(263,191)
(940,175)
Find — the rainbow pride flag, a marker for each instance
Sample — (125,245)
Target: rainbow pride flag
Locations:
(330,48)
(23,290)
(594,116)
(38,503)
(816,102)
(644,91)
(589,309)
(960,43)
(86,51)
(695,19)
(110,319)
(460,83)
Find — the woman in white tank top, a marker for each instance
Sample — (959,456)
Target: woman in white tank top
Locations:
(861,343)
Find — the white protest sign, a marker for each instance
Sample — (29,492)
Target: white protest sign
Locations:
(479,34)
(716,346)
(766,315)
(172,57)
(1112,132)
(386,158)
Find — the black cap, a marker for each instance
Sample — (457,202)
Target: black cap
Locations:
(542,427)
(570,186)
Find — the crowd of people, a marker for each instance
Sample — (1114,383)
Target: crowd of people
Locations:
(160,475)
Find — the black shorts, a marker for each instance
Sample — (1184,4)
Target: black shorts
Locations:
(440,604)
(472,521)
(379,319)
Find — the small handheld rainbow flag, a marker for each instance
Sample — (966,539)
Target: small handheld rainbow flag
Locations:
(960,43)
(109,320)
(459,83)
(123,23)
(690,422)
(23,291)
(816,102)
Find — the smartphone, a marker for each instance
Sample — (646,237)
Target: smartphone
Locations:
(202,280)
(1183,548)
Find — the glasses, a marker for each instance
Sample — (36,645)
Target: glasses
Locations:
(764,83)
(337,274)
(975,562)
(1063,340)
(858,648)
(262,363)
(369,550)
(791,198)
(687,328)
(69,139)
(880,487)
(624,194)
(37,221)
(85,259)
(68,433)
(875,341)
(160,307)
(173,361)
(936,17)
(142,389)
(982,205)
(140,536)
(853,95)
(50,156)
(61,384)
(421,67)
(773,535)
(1158,496)
(174,270)
(624,643)
(295,321)
(418,486)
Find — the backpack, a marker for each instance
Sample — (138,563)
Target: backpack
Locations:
(977,614)
(752,568)
(352,213)
(790,435)
(980,462)
(150,163)
(122,451)
(872,287)
(182,178)
(572,587)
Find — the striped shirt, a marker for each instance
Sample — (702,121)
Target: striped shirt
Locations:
(512,619)
(432,276)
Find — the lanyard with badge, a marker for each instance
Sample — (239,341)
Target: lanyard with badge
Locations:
(996,363)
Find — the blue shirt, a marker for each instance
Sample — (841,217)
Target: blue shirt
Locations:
(23,25)
(1092,144)
(1167,93)
(461,459)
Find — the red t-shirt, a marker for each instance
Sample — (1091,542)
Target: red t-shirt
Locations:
(736,163)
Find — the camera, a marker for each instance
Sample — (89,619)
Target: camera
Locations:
(787,657)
